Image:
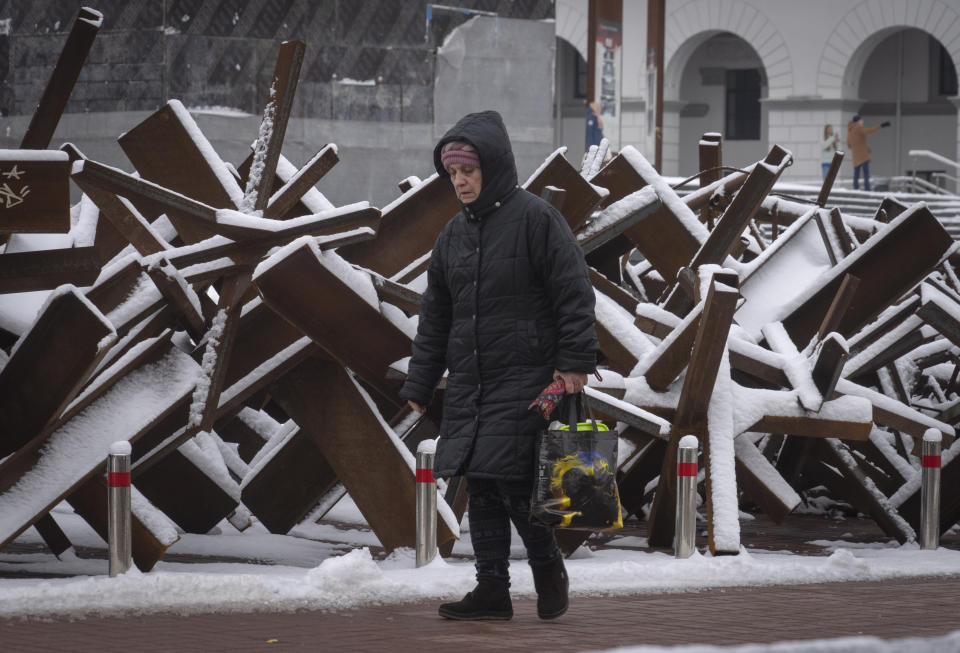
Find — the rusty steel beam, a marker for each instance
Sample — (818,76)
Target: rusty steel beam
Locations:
(581,197)
(169,150)
(283,88)
(352,438)
(304,291)
(711,164)
(661,238)
(34,191)
(916,240)
(691,414)
(291,481)
(673,357)
(51,362)
(408,228)
(731,225)
(52,103)
(47,269)
(829,179)
(120,213)
(286,198)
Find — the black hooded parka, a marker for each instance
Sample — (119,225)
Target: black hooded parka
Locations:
(508,300)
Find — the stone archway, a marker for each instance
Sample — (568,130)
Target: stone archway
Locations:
(695,22)
(720,91)
(692,25)
(572,24)
(864,26)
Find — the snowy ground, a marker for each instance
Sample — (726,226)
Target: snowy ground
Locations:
(328,567)
(947,644)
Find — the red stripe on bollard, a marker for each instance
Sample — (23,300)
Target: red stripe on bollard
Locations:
(118,479)
(686,469)
(424,476)
(931,461)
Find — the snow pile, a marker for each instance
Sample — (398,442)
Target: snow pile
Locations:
(354,579)
(949,642)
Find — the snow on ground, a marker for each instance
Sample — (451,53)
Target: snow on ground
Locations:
(329,566)
(948,642)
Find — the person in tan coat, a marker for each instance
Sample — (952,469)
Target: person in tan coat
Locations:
(857,134)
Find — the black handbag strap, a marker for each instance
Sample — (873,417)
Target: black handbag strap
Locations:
(573,411)
(575,404)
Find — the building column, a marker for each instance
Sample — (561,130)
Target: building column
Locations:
(671,141)
(633,126)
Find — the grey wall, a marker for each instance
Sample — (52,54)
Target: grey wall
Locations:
(149,51)
(506,65)
(222,53)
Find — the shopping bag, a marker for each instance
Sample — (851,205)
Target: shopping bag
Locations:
(575,486)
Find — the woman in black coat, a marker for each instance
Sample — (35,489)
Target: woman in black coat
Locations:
(508,308)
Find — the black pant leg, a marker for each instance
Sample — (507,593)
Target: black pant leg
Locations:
(539,539)
(489,529)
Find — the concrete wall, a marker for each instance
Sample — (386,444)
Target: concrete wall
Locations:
(222,54)
(367,82)
(505,65)
(374,155)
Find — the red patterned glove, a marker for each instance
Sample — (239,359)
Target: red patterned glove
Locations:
(548,399)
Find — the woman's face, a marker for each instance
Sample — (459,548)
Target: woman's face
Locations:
(467,181)
(829,130)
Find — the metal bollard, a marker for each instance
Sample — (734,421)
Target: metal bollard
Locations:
(118,507)
(426,503)
(685,529)
(930,490)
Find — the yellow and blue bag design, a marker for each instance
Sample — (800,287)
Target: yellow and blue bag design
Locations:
(576,485)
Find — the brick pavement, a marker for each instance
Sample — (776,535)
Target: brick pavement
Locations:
(892,609)
(889,609)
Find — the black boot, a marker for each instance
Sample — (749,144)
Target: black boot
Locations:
(490,599)
(552,584)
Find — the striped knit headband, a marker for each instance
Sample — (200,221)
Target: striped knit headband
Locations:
(458,152)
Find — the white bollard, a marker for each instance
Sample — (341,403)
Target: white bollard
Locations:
(426,503)
(685,528)
(930,490)
(118,507)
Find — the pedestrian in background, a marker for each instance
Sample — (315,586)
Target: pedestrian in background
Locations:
(857,134)
(828,147)
(508,308)
(594,125)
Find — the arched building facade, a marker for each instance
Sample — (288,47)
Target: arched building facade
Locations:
(777,71)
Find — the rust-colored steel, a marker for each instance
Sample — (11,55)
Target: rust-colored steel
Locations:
(329,311)
(54,99)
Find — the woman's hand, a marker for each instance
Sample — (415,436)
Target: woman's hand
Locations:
(575,381)
(417,407)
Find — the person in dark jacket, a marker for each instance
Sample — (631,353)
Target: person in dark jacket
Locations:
(594,125)
(508,308)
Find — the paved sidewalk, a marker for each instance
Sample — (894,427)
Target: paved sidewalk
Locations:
(890,610)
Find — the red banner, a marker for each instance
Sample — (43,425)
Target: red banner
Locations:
(424,476)
(686,469)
